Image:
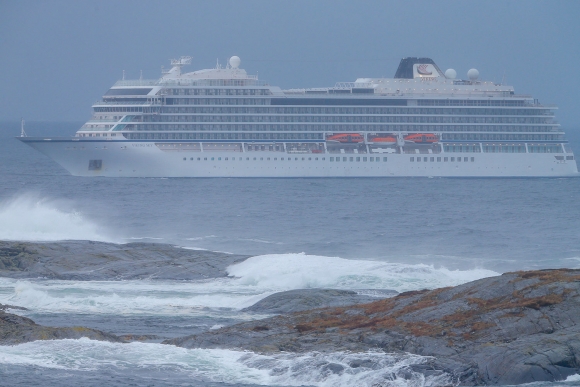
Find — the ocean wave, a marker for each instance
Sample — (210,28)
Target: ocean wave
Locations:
(251,281)
(229,366)
(29,218)
(300,271)
(213,298)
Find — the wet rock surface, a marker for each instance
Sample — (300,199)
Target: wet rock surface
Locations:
(87,260)
(17,329)
(515,328)
(305,299)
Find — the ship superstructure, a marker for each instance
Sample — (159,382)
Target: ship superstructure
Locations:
(223,122)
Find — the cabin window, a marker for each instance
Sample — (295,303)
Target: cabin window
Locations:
(418,159)
(384,159)
(412,159)
(452,159)
(465,159)
(445,159)
(358,159)
(185,158)
(352,158)
(364,159)
(432,159)
(344,159)
(425,159)
(472,159)
(438,159)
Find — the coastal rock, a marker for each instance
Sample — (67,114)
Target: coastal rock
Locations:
(17,329)
(515,328)
(87,260)
(304,299)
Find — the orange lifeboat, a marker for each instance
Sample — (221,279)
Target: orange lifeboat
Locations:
(387,140)
(346,138)
(422,138)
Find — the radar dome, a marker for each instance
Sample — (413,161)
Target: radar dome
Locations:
(450,73)
(473,74)
(235,61)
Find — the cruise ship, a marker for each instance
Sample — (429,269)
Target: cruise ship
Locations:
(224,122)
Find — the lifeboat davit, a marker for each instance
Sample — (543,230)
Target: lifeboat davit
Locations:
(387,140)
(346,138)
(422,138)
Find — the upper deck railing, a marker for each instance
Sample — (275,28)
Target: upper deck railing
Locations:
(250,80)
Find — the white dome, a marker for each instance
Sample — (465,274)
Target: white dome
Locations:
(235,61)
(451,74)
(473,74)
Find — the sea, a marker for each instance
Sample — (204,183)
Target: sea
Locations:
(342,233)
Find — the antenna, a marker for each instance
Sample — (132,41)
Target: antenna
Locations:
(502,78)
(22,132)
(123,74)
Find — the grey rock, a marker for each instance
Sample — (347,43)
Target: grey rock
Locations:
(17,329)
(304,299)
(3,307)
(87,260)
(512,329)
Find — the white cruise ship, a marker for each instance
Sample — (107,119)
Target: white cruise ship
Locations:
(222,122)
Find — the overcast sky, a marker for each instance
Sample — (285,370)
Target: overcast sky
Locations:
(59,57)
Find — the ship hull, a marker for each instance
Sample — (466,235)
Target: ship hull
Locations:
(146,159)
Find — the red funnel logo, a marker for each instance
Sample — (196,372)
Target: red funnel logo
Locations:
(422,69)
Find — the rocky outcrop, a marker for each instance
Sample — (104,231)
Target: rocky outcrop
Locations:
(511,329)
(87,260)
(305,299)
(17,329)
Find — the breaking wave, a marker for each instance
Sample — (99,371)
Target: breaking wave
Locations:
(251,281)
(27,218)
(219,365)
(299,271)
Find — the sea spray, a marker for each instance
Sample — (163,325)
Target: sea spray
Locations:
(29,218)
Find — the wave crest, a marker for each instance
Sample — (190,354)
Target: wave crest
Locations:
(27,218)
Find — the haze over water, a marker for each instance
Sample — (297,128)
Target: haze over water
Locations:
(360,234)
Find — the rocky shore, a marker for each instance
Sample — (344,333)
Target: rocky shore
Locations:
(515,328)
(98,261)
(16,329)
(511,329)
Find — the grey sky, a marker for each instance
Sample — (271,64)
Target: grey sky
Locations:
(58,57)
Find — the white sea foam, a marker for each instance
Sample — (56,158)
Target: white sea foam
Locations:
(573,378)
(299,271)
(29,218)
(144,297)
(219,365)
(254,279)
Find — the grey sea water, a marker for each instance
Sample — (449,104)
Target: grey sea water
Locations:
(402,234)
